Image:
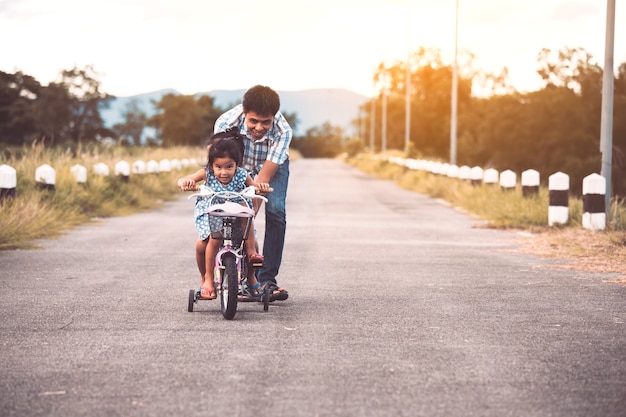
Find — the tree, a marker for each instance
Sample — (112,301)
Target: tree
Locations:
(86,123)
(430,95)
(53,113)
(134,123)
(292,119)
(569,67)
(184,120)
(18,93)
(320,142)
(67,110)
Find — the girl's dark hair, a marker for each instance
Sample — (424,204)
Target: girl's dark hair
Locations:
(228,144)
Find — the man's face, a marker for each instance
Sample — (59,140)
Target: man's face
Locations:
(258,125)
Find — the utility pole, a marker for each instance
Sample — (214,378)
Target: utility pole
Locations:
(383,145)
(455,91)
(407,117)
(372,123)
(606,128)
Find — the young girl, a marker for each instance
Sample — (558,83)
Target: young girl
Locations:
(222,173)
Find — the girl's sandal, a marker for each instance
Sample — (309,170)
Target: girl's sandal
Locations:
(250,293)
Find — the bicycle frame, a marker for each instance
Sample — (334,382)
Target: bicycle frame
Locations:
(229,218)
(230,266)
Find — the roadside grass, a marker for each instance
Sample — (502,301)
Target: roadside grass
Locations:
(500,208)
(599,251)
(38,213)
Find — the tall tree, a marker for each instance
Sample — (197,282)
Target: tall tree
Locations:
(184,120)
(18,94)
(53,113)
(320,142)
(430,95)
(134,123)
(87,99)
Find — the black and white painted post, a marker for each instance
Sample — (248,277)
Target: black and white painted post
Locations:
(122,168)
(80,173)
(508,180)
(558,185)
(594,209)
(8,182)
(46,177)
(530,182)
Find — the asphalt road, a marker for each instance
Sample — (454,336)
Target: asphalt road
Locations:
(399,306)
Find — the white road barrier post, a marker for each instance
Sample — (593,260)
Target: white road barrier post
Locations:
(476,175)
(80,173)
(8,182)
(491,176)
(530,182)
(122,168)
(558,185)
(594,209)
(46,177)
(508,180)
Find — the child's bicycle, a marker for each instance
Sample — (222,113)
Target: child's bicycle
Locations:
(231,263)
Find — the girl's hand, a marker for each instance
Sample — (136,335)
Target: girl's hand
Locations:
(186,184)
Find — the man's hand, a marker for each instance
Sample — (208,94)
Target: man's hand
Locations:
(262,187)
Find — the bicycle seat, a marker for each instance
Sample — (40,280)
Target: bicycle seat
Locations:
(230,209)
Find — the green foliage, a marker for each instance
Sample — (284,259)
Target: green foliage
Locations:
(68,111)
(556,128)
(320,142)
(354,147)
(37,213)
(185,120)
(86,124)
(135,121)
(292,119)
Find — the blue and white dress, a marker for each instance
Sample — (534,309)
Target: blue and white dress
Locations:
(204,223)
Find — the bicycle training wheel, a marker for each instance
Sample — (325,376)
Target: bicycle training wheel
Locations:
(266,298)
(230,287)
(192,300)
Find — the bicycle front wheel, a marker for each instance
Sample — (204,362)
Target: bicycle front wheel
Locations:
(230,286)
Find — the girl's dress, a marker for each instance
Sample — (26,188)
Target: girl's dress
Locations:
(204,224)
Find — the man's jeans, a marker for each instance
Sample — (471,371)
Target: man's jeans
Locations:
(275,225)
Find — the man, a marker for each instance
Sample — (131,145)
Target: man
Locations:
(266,157)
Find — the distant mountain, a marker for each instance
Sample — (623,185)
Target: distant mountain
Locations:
(313,107)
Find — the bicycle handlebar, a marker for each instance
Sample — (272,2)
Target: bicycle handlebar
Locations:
(248,192)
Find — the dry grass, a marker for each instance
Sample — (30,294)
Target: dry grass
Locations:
(37,213)
(581,249)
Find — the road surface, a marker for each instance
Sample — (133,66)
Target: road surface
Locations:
(399,306)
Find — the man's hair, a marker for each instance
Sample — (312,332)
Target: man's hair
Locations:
(262,100)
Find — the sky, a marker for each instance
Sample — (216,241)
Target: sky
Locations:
(141,46)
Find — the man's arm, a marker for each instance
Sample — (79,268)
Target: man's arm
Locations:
(267,171)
